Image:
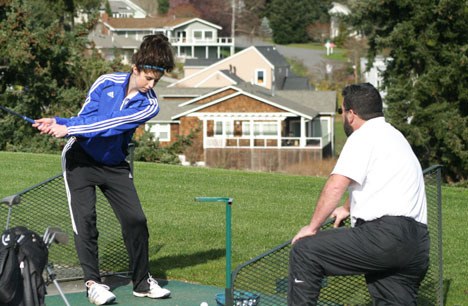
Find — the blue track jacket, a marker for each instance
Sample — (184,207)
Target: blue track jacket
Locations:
(105,125)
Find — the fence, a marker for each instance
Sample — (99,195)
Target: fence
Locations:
(266,277)
(46,205)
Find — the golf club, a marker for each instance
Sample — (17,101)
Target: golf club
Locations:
(18,115)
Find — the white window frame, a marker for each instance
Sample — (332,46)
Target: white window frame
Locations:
(257,77)
(158,128)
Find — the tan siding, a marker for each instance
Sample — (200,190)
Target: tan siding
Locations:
(244,66)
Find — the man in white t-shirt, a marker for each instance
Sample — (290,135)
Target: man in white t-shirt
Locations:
(389,240)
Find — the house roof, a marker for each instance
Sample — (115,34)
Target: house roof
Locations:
(307,104)
(167,110)
(339,9)
(227,59)
(120,6)
(318,102)
(272,55)
(110,42)
(322,101)
(182,92)
(295,83)
(200,62)
(153,23)
(232,76)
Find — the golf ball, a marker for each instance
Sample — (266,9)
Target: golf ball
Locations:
(203,304)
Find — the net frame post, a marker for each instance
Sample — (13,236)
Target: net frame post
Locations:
(229,301)
(436,172)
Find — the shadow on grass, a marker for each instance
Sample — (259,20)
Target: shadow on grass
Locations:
(159,266)
(446,288)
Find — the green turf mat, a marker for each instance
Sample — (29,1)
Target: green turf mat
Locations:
(182,294)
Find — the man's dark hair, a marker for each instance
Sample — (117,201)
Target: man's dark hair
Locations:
(364,100)
(155,51)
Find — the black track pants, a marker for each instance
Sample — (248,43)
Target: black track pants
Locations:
(82,175)
(392,253)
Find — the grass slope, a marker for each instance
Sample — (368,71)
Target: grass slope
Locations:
(187,237)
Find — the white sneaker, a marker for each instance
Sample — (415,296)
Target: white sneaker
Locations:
(99,294)
(154,292)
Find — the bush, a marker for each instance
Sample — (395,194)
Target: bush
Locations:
(148,149)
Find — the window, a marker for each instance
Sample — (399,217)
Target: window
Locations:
(197,35)
(209,35)
(245,128)
(295,128)
(260,77)
(265,128)
(226,126)
(229,128)
(320,127)
(161,131)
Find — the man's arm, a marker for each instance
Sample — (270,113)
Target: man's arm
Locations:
(330,196)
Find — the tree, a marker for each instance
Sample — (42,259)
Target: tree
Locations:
(249,18)
(216,11)
(426,77)
(163,6)
(289,19)
(45,70)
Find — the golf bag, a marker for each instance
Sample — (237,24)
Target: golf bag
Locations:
(23,258)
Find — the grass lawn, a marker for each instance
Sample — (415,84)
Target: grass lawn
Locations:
(187,237)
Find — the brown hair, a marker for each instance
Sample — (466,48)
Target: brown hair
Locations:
(155,53)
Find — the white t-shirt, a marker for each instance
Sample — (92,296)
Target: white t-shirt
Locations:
(387,177)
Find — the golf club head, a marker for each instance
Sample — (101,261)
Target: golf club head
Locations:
(11,200)
(55,234)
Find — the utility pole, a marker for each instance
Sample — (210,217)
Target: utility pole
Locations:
(233,25)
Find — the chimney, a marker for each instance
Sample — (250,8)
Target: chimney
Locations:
(273,82)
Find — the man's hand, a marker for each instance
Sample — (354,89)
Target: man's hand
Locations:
(304,232)
(339,214)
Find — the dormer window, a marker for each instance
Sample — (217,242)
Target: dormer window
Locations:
(260,77)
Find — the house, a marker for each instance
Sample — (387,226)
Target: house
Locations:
(245,126)
(336,13)
(190,37)
(260,65)
(374,74)
(126,9)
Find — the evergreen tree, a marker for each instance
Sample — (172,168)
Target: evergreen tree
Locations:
(426,77)
(163,6)
(44,70)
(289,18)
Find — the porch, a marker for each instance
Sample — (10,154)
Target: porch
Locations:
(189,47)
(265,142)
(268,132)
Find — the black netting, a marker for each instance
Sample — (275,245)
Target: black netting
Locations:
(45,205)
(264,279)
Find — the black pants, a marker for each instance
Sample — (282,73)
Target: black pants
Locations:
(392,253)
(82,175)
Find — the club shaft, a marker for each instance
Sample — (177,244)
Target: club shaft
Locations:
(16,114)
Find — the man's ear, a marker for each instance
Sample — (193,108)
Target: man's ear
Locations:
(135,69)
(350,115)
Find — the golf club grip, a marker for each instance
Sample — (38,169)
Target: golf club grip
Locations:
(16,114)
